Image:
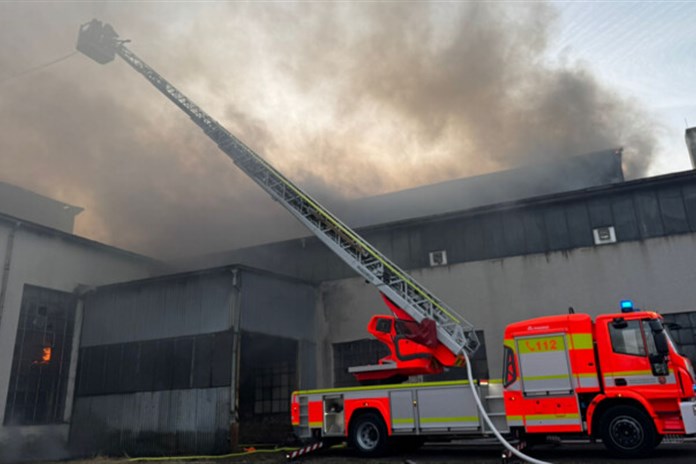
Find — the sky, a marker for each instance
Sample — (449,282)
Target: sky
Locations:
(348,99)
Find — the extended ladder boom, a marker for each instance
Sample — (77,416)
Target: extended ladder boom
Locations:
(101,43)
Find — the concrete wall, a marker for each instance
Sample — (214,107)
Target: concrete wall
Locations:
(657,274)
(53,260)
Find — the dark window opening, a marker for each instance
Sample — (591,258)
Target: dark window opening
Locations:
(39,377)
(268,374)
(267,378)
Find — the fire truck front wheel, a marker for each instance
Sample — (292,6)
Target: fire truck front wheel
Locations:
(368,435)
(628,431)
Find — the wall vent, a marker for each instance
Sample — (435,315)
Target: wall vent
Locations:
(604,235)
(438,258)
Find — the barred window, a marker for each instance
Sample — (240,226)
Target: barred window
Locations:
(272,389)
(41,361)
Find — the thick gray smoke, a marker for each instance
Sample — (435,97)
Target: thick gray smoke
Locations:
(347,99)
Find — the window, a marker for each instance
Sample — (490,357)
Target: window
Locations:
(39,377)
(267,377)
(272,388)
(627,338)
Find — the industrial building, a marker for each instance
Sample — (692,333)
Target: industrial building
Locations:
(45,273)
(154,361)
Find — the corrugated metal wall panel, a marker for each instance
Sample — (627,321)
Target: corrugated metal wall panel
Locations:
(472,236)
(153,423)
(637,210)
(513,231)
(534,231)
(673,211)
(579,225)
(174,307)
(600,212)
(493,238)
(199,361)
(556,228)
(275,307)
(625,221)
(689,192)
(648,214)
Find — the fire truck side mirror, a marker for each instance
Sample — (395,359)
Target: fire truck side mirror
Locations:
(660,337)
(661,344)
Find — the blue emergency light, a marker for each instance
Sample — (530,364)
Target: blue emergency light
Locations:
(626,306)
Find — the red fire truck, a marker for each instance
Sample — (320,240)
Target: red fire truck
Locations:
(618,378)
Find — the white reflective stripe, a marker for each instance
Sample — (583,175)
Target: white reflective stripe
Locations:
(429,423)
(547,422)
(587,382)
(366,394)
(638,379)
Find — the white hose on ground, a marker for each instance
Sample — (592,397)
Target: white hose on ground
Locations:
(484,414)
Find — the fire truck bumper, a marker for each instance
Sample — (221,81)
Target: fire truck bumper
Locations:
(688,413)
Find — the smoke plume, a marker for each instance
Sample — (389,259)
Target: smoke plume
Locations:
(348,99)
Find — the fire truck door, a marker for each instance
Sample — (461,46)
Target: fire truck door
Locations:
(632,361)
(402,411)
(550,402)
(544,365)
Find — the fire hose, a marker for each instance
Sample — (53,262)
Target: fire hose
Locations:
(488,421)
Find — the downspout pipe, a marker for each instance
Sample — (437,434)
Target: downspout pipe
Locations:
(236,323)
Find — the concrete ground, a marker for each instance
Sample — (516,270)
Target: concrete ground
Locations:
(684,453)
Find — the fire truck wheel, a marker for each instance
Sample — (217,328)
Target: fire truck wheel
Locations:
(628,431)
(368,435)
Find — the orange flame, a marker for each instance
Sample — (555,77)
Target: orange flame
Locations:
(47,351)
(46,358)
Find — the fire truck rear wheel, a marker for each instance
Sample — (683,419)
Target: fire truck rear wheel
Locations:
(368,435)
(628,431)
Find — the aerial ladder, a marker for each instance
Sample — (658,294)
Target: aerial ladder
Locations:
(424,335)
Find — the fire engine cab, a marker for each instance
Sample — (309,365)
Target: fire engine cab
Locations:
(619,378)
